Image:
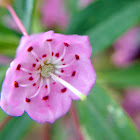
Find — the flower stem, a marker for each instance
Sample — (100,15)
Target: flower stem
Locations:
(5,121)
(17,20)
(76,122)
(46,131)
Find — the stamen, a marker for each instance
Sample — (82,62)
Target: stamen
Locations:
(63,90)
(48,85)
(50,50)
(28,71)
(40,86)
(66,44)
(30,49)
(77,57)
(31,83)
(16,84)
(70,87)
(64,66)
(30,78)
(45,98)
(35,55)
(18,67)
(27,100)
(73,73)
(60,73)
(61,57)
(49,40)
(34,65)
(57,54)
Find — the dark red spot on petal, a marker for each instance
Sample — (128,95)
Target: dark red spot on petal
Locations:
(63,90)
(30,73)
(54,83)
(62,59)
(31,78)
(37,60)
(48,39)
(30,49)
(27,100)
(57,54)
(77,57)
(62,71)
(64,64)
(46,86)
(34,65)
(66,44)
(34,84)
(45,98)
(73,73)
(52,53)
(44,55)
(16,84)
(18,67)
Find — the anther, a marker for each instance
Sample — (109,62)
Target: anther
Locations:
(63,90)
(45,98)
(18,67)
(16,84)
(31,78)
(44,55)
(57,54)
(34,84)
(77,57)
(30,49)
(34,65)
(73,73)
(66,44)
(48,39)
(27,100)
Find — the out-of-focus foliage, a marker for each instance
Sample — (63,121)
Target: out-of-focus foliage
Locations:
(104,21)
(103,119)
(121,77)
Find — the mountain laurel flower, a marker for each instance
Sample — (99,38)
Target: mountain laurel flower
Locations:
(127,48)
(49,71)
(50,16)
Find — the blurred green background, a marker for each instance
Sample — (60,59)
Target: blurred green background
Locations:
(101,116)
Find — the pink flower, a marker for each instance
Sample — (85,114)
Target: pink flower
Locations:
(55,14)
(49,71)
(127,48)
(131,104)
(84,3)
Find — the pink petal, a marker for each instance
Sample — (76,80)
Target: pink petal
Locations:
(51,109)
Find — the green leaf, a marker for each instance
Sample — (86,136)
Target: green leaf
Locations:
(121,77)
(105,20)
(24,9)
(2,74)
(103,119)
(16,128)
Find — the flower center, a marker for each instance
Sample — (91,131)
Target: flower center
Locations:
(46,69)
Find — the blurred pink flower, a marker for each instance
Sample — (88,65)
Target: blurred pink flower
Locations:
(127,48)
(4,60)
(84,3)
(131,104)
(10,23)
(49,71)
(54,14)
